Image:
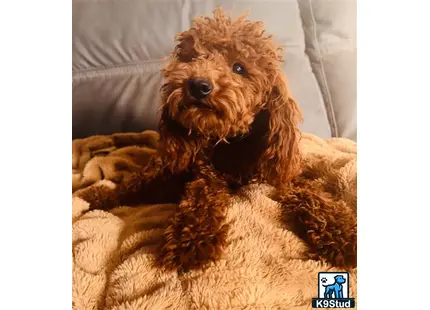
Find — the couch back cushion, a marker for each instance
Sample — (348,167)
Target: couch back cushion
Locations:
(119,48)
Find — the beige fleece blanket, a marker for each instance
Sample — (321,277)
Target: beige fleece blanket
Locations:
(263,267)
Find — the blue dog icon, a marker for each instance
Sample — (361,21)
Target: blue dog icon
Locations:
(335,288)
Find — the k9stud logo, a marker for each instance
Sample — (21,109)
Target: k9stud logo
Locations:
(333,291)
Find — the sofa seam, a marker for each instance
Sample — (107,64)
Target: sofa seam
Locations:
(123,69)
(329,104)
(144,63)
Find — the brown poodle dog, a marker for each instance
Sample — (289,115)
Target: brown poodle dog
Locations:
(228,120)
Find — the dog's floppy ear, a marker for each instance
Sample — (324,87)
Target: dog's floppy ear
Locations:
(281,160)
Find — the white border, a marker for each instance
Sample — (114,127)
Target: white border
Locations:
(393,158)
(393,139)
(35,127)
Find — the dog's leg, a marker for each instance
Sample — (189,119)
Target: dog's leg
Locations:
(327,293)
(149,185)
(328,226)
(197,232)
(336,292)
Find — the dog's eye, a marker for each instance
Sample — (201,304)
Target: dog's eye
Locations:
(238,69)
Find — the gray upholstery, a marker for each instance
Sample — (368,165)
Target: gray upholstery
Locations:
(119,47)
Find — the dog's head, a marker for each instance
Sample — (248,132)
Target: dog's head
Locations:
(222,74)
(339,279)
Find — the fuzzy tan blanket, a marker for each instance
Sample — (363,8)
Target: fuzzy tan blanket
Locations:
(264,266)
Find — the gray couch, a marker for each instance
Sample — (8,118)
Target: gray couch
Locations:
(119,46)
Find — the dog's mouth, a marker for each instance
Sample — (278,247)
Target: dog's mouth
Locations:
(200,105)
(191,103)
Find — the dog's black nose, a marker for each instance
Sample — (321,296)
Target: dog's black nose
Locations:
(199,88)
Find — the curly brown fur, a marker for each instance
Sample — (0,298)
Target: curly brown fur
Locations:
(198,230)
(243,129)
(328,225)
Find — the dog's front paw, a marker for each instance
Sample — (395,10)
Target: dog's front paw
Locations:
(328,227)
(191,247)
(100,196)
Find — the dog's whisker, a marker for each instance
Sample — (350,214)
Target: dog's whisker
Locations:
(220,140)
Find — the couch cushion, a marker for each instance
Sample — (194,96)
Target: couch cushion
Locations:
(119,46)
(330,28)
